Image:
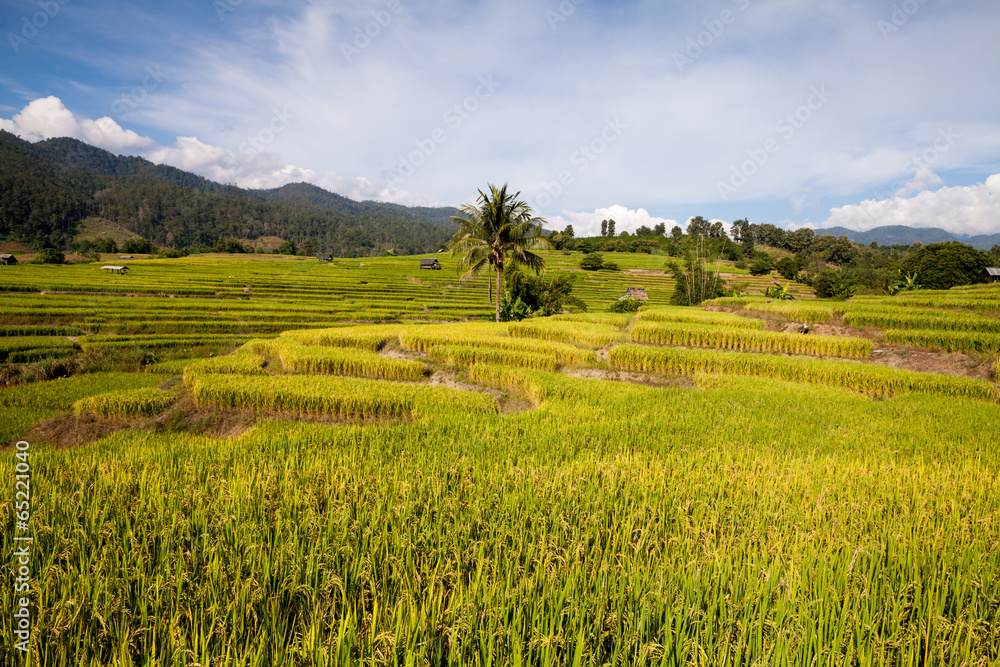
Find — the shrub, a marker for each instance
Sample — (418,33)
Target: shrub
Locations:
(49,256)
(626,305)
(760,267)
(592,262)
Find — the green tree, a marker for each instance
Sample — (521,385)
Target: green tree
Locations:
(499,225)
(944,265)
(309,247)
(695,282)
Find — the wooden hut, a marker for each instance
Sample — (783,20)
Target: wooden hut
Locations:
(430,263)
(635,293)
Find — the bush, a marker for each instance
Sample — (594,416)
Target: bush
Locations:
(789,267)
(138,247)
(626,305)
(49,256)
(592,262)
(609,266)
(760,267)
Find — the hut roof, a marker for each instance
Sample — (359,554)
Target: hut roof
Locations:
(635,293)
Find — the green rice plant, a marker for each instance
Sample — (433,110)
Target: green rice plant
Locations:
(466,355)
(952,341)
(749,340)
(346,361)
(172,367)
(130,403)
(865,378)
(38,330)
(694,315)
(591,334)
(62,393)
(33,348)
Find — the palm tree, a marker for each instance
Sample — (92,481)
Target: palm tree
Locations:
(499,224)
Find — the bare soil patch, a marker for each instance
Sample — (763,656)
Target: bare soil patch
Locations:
(648,379)
(943,363)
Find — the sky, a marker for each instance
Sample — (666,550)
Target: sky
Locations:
(857,113)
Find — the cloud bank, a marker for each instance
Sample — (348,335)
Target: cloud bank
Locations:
(970,210)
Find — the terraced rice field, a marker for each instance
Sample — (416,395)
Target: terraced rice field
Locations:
(679,486)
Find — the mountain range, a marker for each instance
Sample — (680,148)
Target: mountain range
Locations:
(903,235)
(47,188)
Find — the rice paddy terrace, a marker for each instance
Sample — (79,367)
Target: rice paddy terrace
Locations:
(347,464)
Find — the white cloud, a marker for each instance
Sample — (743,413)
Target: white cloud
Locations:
(48,117)
(589,224)
(959,209)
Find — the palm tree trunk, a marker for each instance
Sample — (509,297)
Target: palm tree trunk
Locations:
(498,293)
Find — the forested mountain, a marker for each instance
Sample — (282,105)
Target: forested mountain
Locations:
(48,187)
(903,235)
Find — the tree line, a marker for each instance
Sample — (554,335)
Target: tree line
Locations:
(48,188)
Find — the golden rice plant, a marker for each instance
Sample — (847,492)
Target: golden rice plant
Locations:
(366,337)
(242,362)
(347,361)
(509,379)
(919,318)
(466,355)
(618,320)
(591,334)
(684,314)
(424,338)
(869,379)
(332,396)
(749,340)
(952,341)
(130,403)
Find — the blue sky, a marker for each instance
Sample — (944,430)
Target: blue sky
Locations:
(792,113)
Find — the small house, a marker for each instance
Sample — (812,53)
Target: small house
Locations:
(115,268)
(990,275)
(635,293)
(8,260)
(324,257)
(125,257)
(430,263)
